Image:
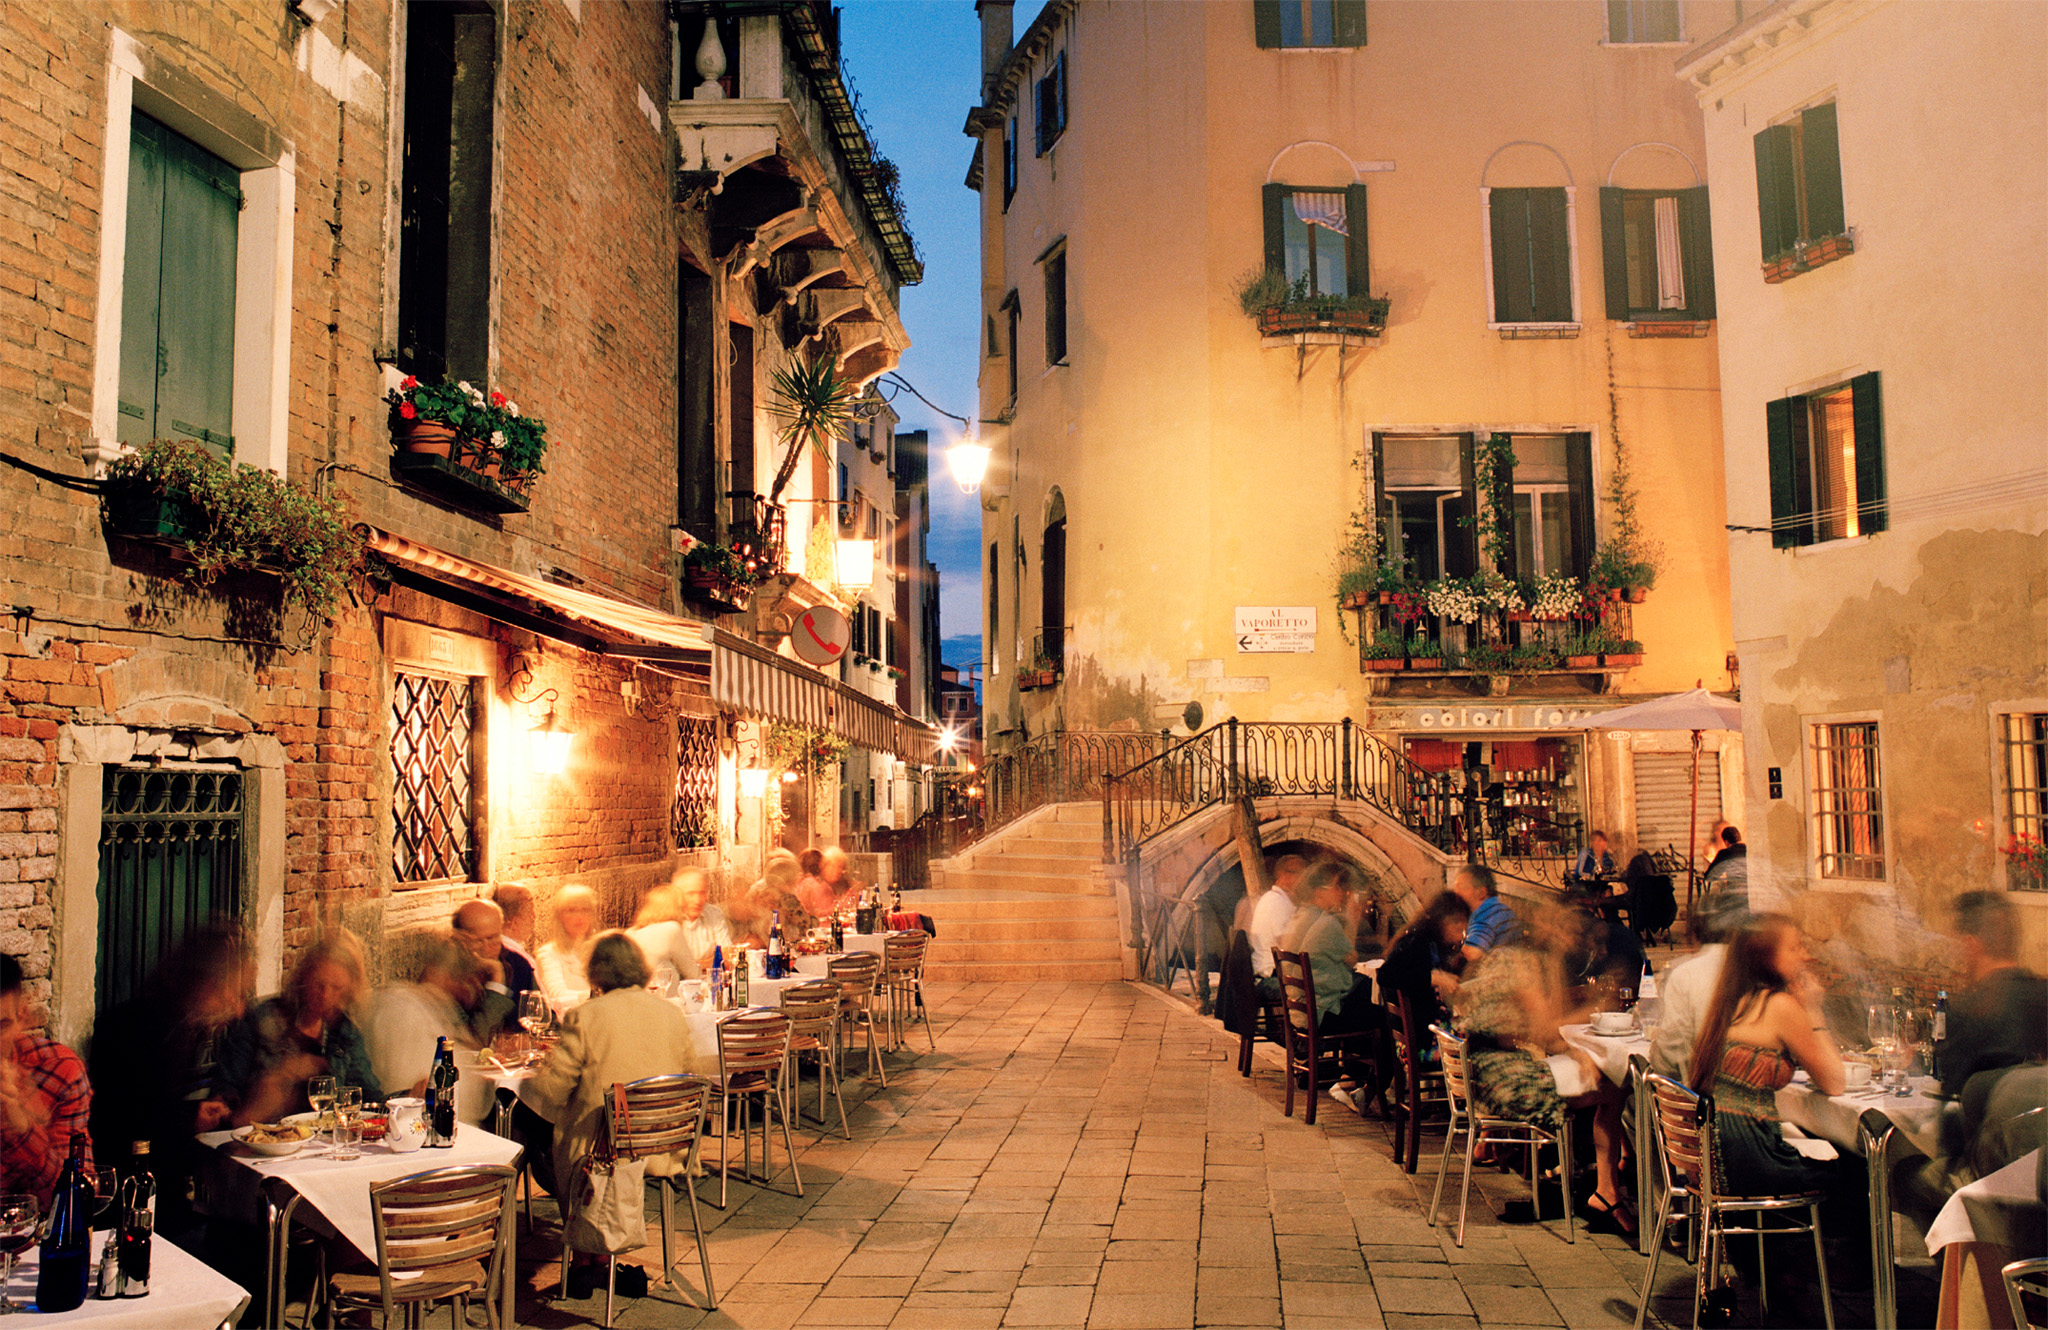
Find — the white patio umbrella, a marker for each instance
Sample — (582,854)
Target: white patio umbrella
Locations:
(1697,710)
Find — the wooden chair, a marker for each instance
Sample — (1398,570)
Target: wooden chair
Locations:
(752,1050)
(1256,1017)
(903,983)
(659,1119)
(442,1236)
(858,975)
(1481,1130)
(1308,1049)
(1692,1164)
(813,1011)
(1421,1092)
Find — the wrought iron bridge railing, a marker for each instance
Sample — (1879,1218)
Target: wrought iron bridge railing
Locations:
(1061,767)
(1336,760)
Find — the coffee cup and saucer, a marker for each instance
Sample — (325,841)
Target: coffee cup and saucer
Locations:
(1613,1022)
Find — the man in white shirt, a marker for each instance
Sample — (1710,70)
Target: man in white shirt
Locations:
(1270,918)
(1685,993)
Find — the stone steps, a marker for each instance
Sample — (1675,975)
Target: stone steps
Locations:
(1027,903)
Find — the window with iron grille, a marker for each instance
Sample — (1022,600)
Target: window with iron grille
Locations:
(693,817)
(2026,784)
(1848,802)
(433,722)
(170,861)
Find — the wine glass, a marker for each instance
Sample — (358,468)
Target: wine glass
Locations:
(106,1189)
(320,1094)
(19,1220)
(348,1121)
(1883,1034)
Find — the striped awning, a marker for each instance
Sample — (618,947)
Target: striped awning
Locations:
(745,677)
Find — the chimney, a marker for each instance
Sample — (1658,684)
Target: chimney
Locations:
(996,31)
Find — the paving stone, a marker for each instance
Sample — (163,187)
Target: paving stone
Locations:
(1436,1296)
(850,1311)
(1232,1310)
(1162,1310)
(1049,1306)
(1500,1303)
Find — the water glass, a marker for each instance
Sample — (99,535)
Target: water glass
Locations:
(320,1095)
(20,1221)
(348,1121)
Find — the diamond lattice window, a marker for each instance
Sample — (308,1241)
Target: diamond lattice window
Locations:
(693,818)
(432,725)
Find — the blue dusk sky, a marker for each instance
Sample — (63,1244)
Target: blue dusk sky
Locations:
(917,67)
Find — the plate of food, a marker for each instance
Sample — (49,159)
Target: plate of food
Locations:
(275,1139)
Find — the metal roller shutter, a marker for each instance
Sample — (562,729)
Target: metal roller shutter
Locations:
(1664,797)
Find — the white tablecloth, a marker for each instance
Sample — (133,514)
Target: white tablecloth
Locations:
(1982,1211)
(864,942)
(339,1189)
(1610,1052)
(1917,1115)
(183,1295)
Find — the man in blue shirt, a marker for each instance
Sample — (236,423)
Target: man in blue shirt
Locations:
(1596,860)
(1493,923)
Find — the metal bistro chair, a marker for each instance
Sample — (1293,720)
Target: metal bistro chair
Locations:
(1692,1163)
(813,1011)
(1481,1130)
(752,1049)
(1307,1048)
(1422,1093)
(2028,1278)
(857,975)
(659,1119)
(903,981)
(442,1236)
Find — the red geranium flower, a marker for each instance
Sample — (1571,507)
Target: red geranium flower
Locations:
(407,410)
(408,383)
(497,399)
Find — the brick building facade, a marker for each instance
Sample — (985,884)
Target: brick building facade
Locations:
(258,761)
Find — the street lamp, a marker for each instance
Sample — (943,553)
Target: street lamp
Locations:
(968,461)
(549,744)
(854,566)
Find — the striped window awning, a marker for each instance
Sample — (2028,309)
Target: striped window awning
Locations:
(744,676)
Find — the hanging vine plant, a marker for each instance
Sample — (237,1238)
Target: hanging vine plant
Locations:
(1493,472)
(797,748)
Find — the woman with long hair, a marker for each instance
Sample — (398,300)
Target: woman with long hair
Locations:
(1421,952)
(307,1030)
(562,957)
(1764,1022)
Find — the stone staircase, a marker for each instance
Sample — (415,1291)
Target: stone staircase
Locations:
(1029,902)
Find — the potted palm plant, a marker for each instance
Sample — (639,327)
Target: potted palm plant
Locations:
(816,406)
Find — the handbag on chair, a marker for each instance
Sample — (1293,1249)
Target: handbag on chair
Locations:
(608,1212)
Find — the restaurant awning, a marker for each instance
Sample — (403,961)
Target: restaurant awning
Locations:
(744,677)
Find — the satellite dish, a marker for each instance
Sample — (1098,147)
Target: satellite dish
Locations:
(1192,717)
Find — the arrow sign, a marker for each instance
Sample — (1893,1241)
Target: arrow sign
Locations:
(1275,628)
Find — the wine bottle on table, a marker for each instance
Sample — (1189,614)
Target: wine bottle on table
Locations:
(838,933)
(67,1244)
(717,978)
(138,1224)
(739,980)
(1937,1034)
(771,968)
(441,1093)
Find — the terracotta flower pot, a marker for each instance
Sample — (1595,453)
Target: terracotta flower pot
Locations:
(1582,662)
(1359,599)
(1425,662)
(1637,595)
(425,436)
(1622,661)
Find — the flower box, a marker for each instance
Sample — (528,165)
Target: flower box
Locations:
(462,484)
(1358,600)
(721,593)
(1368,322)
(1030,679)
(1382,664)
(1425,662)
(142,514)
(1636,595)
(1621,660)
(1582,662)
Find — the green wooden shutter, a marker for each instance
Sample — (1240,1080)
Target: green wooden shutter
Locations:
(1550,256)
(1508,210)
(178,316)
(1357,260)
(1777,183)
(140,275)
(1785,421)
(1578,470)
(1614,254)
(1275,199)
(1871,513)
(1822,155)
(1350,23)
(1059,73)
(1266,23)
(1696,240)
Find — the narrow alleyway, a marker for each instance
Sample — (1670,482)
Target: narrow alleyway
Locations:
(1086,1155)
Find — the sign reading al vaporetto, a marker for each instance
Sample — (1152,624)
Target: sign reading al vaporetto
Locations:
(1289,628)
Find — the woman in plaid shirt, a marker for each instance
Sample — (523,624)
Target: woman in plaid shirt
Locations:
(44,1096)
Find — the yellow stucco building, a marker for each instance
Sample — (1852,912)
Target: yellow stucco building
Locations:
(1202,415)
(1881,240)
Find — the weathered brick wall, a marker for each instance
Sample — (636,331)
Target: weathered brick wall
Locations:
(585,338)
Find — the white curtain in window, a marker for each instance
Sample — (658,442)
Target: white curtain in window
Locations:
(1324,210)
(1670,267)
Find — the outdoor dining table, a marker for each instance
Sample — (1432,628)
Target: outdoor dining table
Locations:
(1870,1122)
(184,1294)
(238,1183)
(1996,1219)
(1624,1059)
